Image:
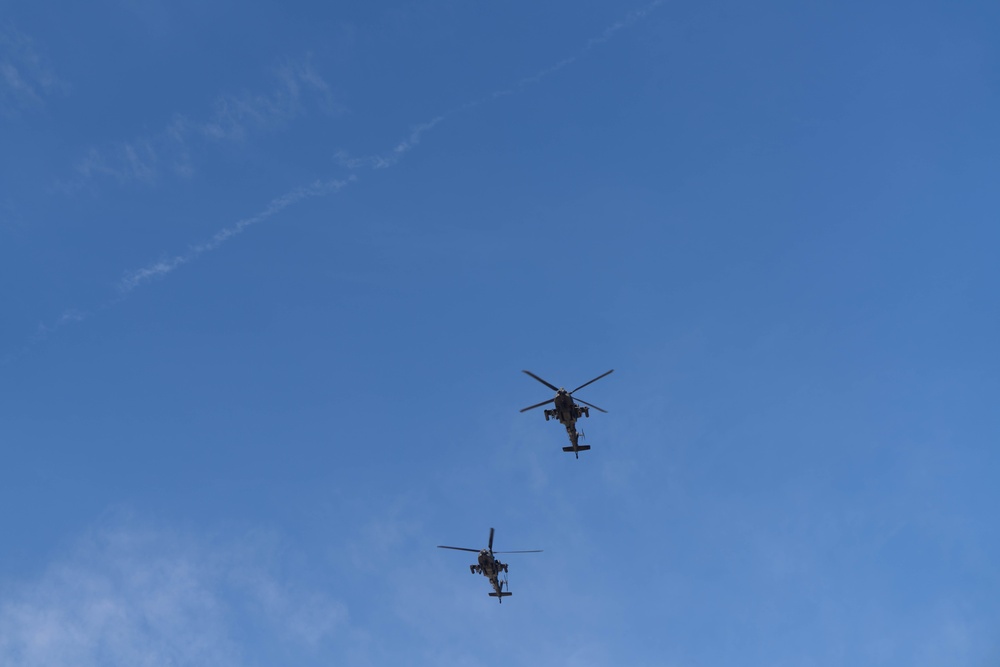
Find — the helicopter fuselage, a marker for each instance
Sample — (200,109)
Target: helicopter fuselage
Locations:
(566,411)
(491,568)
(487,565)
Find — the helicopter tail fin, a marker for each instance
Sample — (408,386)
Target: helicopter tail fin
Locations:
(504,594)
(578,448)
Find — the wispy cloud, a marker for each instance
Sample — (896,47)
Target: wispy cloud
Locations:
(630,19)
(234,117)
(43,330)
(134,279)
(393,156)
(125,162)
(396,154)
(127,596)
(69,316)
(161,268)
(25,79)
(606,35)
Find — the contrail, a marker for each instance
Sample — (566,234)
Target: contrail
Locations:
(396,154)
(134,279)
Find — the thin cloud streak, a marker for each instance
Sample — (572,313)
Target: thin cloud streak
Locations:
(628,21)
(25,79)
(235,115)
(43,330)
(233,119)
(69,316)
(134,167)
(605,36)
(136,161)
(134,596)
(132,280)
(396,154)
(393,156)
(163,267)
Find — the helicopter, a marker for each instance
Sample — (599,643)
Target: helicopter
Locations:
(567,411)
(491,568)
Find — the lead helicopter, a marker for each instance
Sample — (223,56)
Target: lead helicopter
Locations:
(567,411)
(491,568)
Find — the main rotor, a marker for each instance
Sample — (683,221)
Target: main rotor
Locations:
(561,391)
(489,548)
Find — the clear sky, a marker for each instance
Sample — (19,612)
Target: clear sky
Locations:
(270,272)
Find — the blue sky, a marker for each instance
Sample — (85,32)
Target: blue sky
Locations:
(270,273)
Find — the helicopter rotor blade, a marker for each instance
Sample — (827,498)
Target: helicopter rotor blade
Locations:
(529,551)
(490,547)
(579,400)
(538,405)
(475,551)
(547,384)
(592,381)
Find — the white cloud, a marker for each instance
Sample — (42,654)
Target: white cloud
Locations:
(158,269)
(396,154)
(606,35)
(25,79)
(43,330)
(69,316)
(125,162)
(163,267)
(142,598)
(631,18)
(234,117)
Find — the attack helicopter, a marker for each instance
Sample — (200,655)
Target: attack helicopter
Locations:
(491,568)
(567,411)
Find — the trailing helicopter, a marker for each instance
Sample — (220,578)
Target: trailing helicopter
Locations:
(491,568)
(567,411)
